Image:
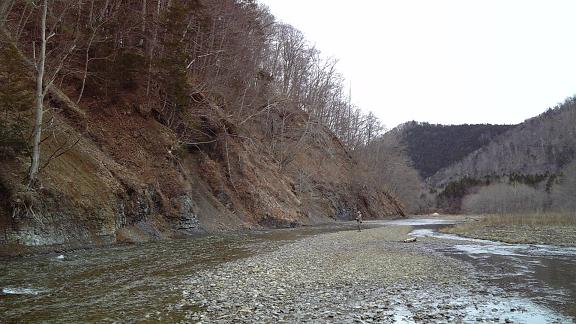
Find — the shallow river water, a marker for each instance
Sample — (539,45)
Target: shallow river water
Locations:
(143,282)
(543,275)
(123,283)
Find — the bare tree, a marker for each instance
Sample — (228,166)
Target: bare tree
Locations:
(504,198)
(44,81)
(563,193)
(40,93)
(386,165)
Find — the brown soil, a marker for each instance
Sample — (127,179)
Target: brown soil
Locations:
(130,178)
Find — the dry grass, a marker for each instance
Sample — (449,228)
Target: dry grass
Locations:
(534,219)
(503,220)
(543,228)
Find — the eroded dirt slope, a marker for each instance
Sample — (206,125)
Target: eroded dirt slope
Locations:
(127,174)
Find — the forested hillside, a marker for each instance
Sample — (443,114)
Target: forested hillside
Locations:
(125,121)
(489,163)
(541,145)
(434,147)
(528,168)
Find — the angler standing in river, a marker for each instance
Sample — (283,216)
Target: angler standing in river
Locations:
(359,220)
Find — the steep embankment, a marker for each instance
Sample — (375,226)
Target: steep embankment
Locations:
(127,173)
(539,147)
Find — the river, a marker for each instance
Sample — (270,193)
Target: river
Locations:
(124,283)
(143,282)
(543,273)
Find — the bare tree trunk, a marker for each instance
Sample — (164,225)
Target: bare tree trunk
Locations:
(23,21)
(39,99)
(142,37)
(86,66)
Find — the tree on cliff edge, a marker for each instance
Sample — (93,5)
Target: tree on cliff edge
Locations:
(40,93)
(46,77)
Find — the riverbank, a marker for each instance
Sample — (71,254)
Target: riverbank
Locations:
(15,251)
(345,277)
(517,229)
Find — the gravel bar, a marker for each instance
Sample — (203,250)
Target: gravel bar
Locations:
(349,276)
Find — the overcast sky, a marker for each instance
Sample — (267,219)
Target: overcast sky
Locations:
(445,61)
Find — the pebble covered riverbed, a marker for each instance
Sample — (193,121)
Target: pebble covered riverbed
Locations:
(310,274)
(350,276)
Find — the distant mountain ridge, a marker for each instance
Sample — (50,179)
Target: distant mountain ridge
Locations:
(541,145)
(432,147)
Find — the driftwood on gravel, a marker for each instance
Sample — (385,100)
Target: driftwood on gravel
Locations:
(410,240)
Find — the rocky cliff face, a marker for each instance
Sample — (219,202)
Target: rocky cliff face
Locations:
(125,177)
(165,118)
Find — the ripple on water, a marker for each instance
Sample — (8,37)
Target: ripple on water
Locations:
(22,291)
